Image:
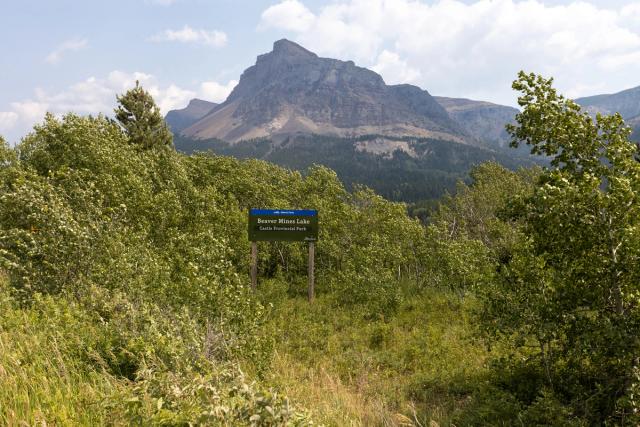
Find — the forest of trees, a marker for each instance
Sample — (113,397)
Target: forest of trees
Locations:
(125,298)
(397,176)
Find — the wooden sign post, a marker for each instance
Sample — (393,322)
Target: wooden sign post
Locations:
(312,254)
(254,265)
(283,225)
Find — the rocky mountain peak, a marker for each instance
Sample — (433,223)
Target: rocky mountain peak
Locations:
(185,117)
(291,90)
(200,103)
(284,47)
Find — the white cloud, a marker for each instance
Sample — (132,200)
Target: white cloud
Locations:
(216,92)
(472,48)
(30,111)
(172,97)
(398,71)
(68,46)
(578,89)
(288,14)
(96,95)
(91,96)
(631,13)
(8,120)
(187,34)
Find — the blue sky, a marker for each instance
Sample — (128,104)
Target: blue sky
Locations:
(63,55)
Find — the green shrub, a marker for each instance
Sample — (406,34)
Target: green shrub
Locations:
(222,397)
(374,292)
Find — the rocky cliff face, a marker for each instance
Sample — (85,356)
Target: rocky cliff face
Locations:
(181,119)
(292,91)
(482,120)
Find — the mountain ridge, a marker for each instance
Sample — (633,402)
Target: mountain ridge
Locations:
(292,91)
(625,102)
(185,117)
(483,120)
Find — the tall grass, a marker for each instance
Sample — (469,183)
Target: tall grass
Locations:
(40,382)
(61,366)
(333,402)
(417,367)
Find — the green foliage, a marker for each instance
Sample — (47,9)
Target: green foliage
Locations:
(376,243)
(141,119)
(396,176)
(473,211)
(137,260)
(105,360)
(567,298)
(467,235)
(222,397)
(412,366)
(83,208)
(123,282)
(374,292)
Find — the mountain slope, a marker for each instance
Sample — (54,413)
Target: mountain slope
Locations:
(626,102)
(296,109)
(482,120)
(292,91)
(403,169)
(181,119)
(635,125)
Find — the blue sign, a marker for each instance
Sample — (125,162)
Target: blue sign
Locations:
(295,225)
(297,212)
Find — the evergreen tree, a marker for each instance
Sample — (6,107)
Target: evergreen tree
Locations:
(140,117)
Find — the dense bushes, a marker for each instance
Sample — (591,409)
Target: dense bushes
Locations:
(111,361)
(143,252)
